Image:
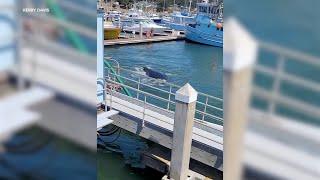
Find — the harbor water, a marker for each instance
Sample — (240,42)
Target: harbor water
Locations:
(181,61)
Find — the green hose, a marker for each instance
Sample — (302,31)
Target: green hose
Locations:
(124,89)
(76,41)
(71,35)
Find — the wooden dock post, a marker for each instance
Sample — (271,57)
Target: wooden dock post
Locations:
(186,98)
(240,51)
(140,31)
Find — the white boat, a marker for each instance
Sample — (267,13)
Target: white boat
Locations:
(178,21)
(135,18)
(147,26)
(110,15)
(155,18)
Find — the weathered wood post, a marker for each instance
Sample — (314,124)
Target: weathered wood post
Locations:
(186,98)
(239,55)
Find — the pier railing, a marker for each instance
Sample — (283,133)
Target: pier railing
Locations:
(161,94)
(291,82)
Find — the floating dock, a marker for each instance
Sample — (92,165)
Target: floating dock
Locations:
(138,40)
(158,158)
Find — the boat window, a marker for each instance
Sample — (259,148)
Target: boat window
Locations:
(203,9)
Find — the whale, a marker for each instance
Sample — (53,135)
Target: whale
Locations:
(154,74)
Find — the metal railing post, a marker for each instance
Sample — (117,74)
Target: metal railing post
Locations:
(111,94)
(170,91)
(144,110)
(205,108)
(138,88)
(276,85)
(105,96)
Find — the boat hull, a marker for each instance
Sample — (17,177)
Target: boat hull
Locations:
(178,27)
(111,33)
(195,35)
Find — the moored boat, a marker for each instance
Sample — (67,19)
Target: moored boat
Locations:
(111,31)
(208,28)
(179,21)
(133,24)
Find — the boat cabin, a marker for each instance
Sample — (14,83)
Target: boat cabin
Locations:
(213,10)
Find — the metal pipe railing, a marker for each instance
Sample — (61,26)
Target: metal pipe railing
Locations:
(161,90)
(113,93)
(280,75)
(208,110)
(167,83)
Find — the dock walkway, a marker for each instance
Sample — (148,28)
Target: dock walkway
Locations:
(138,40)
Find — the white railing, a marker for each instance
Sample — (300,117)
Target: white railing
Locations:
(280,75)
(209,108)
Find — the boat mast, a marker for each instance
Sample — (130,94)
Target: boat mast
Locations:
(190,2)
(164,5)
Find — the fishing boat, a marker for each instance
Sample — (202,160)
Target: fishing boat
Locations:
(111,31)
(208,28)
(179,20)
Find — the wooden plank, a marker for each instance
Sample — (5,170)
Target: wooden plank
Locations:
(103,118)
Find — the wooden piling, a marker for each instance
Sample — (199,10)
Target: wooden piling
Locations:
(239,56)
(186,98)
